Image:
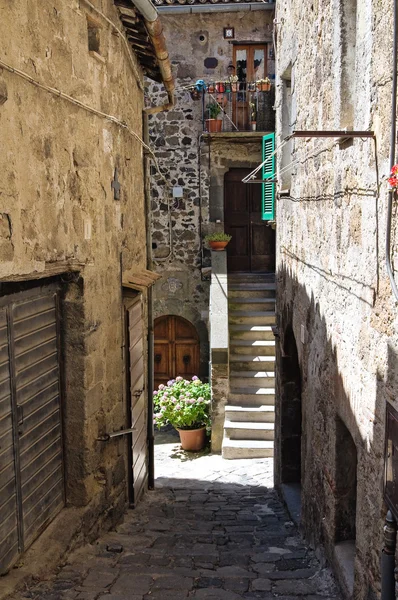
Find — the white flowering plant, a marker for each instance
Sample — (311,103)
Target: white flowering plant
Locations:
(183,403)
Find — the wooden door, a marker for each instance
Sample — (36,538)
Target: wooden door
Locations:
(252,247)
(136,397)
(250,62)
(176,349)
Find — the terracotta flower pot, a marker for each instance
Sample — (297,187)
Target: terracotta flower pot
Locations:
(264,87)
(213,125)
(217,246)
(192,440)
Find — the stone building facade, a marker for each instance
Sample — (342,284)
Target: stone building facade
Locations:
(195,161)
(336,311)
(72,234)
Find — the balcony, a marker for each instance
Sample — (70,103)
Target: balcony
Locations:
(243,106)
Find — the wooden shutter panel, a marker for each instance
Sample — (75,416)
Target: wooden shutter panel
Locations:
(268,173)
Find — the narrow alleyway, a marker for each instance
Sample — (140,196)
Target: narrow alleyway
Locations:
(212,529)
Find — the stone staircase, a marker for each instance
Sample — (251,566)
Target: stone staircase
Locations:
(250,412)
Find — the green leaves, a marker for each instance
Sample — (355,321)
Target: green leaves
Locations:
(182,403)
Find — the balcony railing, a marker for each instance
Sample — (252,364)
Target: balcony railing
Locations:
(241,106)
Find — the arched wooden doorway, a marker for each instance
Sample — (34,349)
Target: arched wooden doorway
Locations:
(176,349)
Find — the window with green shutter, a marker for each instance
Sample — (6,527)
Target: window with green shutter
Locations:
(268,173)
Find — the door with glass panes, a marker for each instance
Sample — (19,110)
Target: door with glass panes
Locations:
(250,63)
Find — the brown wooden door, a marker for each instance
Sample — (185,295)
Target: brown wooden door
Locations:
(176,349)
(250,62)
(252,247)
(136,397)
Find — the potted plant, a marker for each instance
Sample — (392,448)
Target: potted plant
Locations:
(185,404)
(218,241)
(263,85)
(213,124)
(234,82)
(220,87)
(210,87)
(253,116)
(228,87)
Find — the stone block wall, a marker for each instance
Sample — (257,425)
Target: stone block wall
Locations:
(332,286)
(58,214)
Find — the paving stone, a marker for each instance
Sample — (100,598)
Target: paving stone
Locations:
(215,594)
(172,582)
(296,587)
(132,583)
(262,585)
(221,536)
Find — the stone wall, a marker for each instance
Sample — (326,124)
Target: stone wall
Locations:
(332,289)
(58,214)
(189,159)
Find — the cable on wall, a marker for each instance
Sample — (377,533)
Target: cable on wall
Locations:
(90,109)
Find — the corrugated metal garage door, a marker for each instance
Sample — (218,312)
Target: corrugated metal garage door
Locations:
(32,481)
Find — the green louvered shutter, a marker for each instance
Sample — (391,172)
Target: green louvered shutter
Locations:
(268,173)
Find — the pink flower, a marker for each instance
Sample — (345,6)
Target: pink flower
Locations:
(161,387)
(178,406)
(179,378)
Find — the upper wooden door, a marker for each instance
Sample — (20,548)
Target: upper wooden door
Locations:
(250,61)
(252,247)
(176,349)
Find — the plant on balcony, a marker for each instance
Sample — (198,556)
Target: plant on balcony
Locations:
(185,404)
(234,82)
(213,124)
(218,241)
(263,85)
(393,179)
(220,87)
(228,87)
(211,87)
(253,116)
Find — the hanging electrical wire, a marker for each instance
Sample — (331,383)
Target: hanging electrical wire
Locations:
(86,107)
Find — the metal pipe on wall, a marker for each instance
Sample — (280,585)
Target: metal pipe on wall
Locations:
(155,31)
(391,193)
(150,342)
(388,558)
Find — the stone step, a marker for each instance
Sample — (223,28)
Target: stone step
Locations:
(252,347)
(260,414)
(245,317)
(249,293)
(236,286)
(251,396)
(252,363)
(252,304)
(242,379)
(257,277)
(232,449)
(236,430)
(250,332)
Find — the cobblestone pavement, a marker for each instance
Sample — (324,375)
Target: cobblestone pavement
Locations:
(212,530)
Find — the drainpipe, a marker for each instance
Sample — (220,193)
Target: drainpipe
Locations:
(150,342)
(388,558)
(391,193)
(155,31)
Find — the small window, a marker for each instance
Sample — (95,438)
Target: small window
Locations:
(93,32)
